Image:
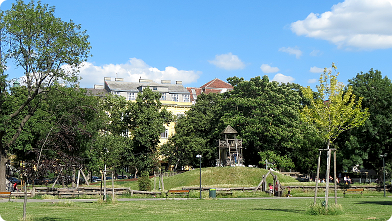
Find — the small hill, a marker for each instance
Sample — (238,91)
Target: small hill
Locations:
(223,177)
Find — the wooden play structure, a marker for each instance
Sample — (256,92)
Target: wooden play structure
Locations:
(276,187)
(230,149)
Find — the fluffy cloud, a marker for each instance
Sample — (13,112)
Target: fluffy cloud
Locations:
(1,1)
(282,78)
(132,71)
(312,81)
(265,68)
(228,62)
(315,69)
(362,24)
(294,51)
(315,53)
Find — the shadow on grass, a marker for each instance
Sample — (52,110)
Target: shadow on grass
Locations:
(50,219)
(386,203)
(280,210)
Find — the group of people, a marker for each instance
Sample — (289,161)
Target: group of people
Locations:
(346,179)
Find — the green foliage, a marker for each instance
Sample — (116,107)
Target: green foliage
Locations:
(196,133)
(42,45)
(144,182)
(363,145)
(276,160)
(333,110)
(265,115)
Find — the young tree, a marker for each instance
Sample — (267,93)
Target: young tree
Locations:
(332,111)
(41,45)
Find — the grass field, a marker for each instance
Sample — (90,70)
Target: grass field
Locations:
(372,208)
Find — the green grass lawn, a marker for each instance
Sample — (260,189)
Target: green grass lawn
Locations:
(371,208)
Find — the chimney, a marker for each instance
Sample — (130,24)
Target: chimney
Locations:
(119,79)
(96,86)
(107,78)
(178,82)
(145,81)
(165,81)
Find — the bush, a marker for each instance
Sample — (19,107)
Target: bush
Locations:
(319,209)
(144,182)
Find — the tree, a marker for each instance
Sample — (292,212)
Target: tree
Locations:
(374,138)
(266,116)
(332,111)
(42,45)
(196,133)
(145,119)
(60,131)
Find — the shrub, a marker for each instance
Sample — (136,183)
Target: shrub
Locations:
(320,209)
(144,182)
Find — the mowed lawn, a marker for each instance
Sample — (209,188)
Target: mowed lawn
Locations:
(372,208)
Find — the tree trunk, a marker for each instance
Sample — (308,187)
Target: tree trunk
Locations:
(3,168)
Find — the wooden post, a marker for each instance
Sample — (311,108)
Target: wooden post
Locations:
(327,176)
(85,178)
(317,177)
(77,181)
(112,187)
(334,178)
(163,185)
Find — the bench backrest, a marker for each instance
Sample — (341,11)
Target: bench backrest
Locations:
(352,190)
(178,191)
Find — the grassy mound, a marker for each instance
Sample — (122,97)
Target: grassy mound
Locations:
(223,177)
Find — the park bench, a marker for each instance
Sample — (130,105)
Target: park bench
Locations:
(180,192)
(6,194)
(352,191)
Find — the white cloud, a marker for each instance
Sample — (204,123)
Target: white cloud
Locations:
(132,71)
(362,24)
(1,1)
(228,62)
(294,51)
(282,78)
(315,53)
(312,81)
(265,68)
(315,69)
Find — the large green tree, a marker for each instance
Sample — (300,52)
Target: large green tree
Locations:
(265,115)
(47,49)
(374,138)
(60,132)
(333,111)
(196,133)
(145,119)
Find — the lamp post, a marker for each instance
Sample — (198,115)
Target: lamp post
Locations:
(199,156)
(383,167)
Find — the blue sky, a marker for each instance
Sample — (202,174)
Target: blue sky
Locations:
(197,41)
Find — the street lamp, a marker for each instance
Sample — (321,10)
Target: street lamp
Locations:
(383,166)
(199,156)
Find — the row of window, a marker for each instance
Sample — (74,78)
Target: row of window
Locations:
(174,97)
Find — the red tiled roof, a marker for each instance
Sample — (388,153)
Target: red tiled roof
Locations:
(217,83)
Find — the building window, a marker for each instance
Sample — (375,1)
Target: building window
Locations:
(175,97)
(163,96)
(116,92)
(154,88)
(186,97)
(165,134)
(132,96)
